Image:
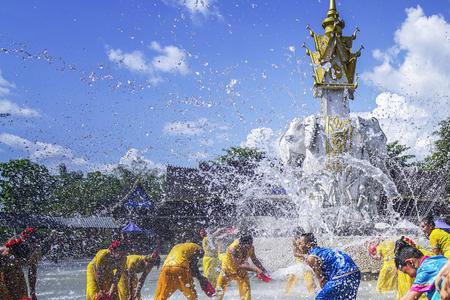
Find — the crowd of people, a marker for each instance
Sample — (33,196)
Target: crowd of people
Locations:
(116,273)
(413,271)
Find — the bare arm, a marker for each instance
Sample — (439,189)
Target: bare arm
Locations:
(116,279)
(242,265)
(316,266)
(194,268)
(257,262)
(143,278)
(442,274)
(411,295)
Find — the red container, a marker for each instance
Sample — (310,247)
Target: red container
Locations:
(209,289)
(264,277)
(372,248)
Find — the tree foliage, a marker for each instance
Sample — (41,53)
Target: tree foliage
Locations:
(28,187)
(25,186)
(439,160)
(237,155)
(397,154)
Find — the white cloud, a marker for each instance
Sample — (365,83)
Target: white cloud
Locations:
(263,139)
(187,127)
(413,75)
(134,61)
(10,108)
(196,8)
(172,60)
(135,160)
(41,151)
(5,85)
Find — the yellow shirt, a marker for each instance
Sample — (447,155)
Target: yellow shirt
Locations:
(386,250)
(135,263)
(181,255)
(209,251)
(228,264)
(440,239)
(103,260)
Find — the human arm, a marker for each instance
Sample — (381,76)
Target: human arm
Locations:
(411,295)
(445,270)
(316,266)
(195,270)
(257,262)
(148,267)
(117,275)
(241,264)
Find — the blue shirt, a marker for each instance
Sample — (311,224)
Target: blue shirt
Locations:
(334,262)
(426,274)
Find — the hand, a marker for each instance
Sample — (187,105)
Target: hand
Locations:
(440,278)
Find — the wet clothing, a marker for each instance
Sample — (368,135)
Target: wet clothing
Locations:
(426,274)
(230,272)
(176,272)
(129,280)
(387,278)
(105,265)
(308,279)
(343,288)
(440,239)
(172,279)
(404,282)
(210,261)
(242,280)
(341,274)
(181,255)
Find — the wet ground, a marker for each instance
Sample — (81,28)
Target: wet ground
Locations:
(67,281)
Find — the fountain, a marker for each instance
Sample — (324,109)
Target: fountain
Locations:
(330,168)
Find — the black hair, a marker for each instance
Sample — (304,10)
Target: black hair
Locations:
(246,238)
(299,231)
(428,220)
(309,236)
(404,251)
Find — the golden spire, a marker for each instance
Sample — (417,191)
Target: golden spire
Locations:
(333,61)
(332,23)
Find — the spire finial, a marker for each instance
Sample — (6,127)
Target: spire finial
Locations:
(332,23)
(332,5)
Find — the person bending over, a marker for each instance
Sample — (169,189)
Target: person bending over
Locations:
(338,275)
(424,269)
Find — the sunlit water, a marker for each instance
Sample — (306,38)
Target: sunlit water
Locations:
(67,280)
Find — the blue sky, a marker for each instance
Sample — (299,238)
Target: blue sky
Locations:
(83,82)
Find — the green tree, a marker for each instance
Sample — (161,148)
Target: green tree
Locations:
(239,155)
(25,187)
(152,181)
(439,160)
(87,194)
(397,155)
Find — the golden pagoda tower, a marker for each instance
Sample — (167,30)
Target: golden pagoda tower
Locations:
(333,62)
(334,66)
